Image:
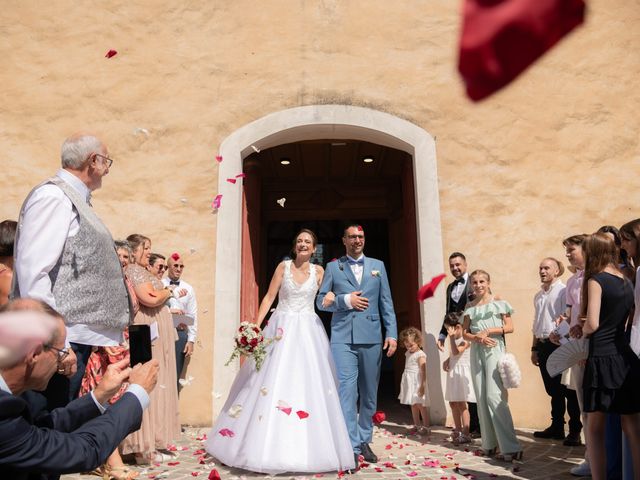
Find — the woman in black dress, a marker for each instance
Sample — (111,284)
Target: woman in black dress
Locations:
(612,374)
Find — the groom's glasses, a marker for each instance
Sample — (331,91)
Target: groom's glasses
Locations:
(355,237)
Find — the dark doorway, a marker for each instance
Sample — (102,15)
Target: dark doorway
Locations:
(321,185)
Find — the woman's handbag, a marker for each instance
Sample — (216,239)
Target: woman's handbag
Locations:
(509,371)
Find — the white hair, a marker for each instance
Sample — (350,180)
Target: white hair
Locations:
(76,149)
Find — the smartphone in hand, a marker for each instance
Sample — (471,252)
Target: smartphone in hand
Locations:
(139,344)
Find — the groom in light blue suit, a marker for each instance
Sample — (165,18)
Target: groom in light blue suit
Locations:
(356,289)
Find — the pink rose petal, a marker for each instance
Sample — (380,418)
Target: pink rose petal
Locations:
(241,175)
(173,464)
(216,202)
(218,158)
(302,414)
(225,432)
(284,407)
(231,180)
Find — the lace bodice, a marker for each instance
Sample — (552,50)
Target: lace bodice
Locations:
(297,298)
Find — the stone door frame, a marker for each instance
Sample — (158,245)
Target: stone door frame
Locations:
(312,123)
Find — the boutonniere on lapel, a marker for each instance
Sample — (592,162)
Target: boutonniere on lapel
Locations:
(375,273)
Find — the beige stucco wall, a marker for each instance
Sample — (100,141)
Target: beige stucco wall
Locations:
(556,153)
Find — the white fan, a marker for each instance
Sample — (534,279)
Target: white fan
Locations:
(567,355)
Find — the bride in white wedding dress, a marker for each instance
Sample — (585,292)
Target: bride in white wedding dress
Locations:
(286,417)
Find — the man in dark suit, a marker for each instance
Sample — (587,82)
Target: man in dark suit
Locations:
(458,294)
(75,438)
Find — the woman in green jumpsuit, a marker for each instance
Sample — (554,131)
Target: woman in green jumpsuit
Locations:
(486,322)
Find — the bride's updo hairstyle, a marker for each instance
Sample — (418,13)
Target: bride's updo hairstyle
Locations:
(314,239)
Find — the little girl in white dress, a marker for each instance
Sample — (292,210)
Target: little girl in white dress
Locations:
(413,387)
(459,388)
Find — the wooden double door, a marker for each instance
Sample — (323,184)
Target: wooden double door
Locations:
(323,191)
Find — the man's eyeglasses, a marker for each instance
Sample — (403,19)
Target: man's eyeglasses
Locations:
(355,237)
(106,160)
(62,353)
(175,265)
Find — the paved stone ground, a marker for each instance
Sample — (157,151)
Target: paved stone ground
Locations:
(401,457)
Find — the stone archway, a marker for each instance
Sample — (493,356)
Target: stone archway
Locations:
(310,123)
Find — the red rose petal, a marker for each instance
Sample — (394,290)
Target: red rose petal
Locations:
(225,432)
(428,290)
(302,414)
(218,158)
(111,53)
(216,202)
(214,475)
(379,417)
(173,464)
(195,474)
(241,175)
(231,180)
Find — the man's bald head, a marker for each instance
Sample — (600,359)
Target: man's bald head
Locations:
(175,266)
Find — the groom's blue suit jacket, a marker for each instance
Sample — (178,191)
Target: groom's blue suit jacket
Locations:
(353,326)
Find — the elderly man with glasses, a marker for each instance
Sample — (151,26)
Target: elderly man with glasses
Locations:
(36,444)
(64,256)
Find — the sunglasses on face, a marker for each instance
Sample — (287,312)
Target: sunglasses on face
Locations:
(176,265)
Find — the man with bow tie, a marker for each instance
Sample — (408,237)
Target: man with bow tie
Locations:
(184,305)
(458,294)
(64,256)
(356,289)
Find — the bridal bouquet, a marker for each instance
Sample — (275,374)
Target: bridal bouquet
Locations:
(251,343)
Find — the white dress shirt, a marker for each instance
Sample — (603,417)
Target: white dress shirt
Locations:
(188,304)
(357,269)
(49,220)
(458,288)
(549,305)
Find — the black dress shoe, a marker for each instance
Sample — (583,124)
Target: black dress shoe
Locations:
(550,432)
(367,453)
(572,440)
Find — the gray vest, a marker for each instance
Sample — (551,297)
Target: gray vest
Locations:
(87,281)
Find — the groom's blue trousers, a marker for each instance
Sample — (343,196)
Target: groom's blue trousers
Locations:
(358,370)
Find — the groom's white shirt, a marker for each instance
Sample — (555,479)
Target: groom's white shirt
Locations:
(357,269)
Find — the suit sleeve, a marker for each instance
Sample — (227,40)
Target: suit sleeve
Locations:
(385,306)
(70,417)
(327,286)
(24,446)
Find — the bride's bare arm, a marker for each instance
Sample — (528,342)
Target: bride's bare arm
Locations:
(268,299)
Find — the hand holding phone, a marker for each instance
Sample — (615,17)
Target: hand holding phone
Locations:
(139,344)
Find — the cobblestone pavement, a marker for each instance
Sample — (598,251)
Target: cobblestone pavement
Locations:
(401,456)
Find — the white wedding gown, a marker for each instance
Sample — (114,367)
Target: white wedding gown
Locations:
(287,416)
